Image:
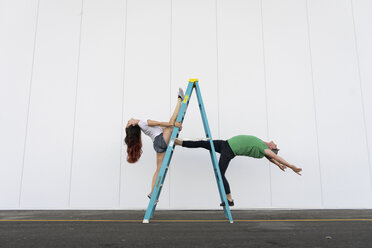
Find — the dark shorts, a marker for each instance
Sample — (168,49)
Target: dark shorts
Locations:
(159,144)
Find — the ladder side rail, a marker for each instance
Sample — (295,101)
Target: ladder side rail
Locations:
(185,102)
(167,158)
(221,192)
(217,173)
(213,153)
(207,131)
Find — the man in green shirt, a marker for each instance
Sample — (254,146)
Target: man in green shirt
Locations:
(241,145)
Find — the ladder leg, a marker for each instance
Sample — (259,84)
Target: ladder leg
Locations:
(225,212)
(167,158)
(220,193)
(217,172)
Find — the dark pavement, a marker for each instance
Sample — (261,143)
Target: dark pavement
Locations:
(252,228)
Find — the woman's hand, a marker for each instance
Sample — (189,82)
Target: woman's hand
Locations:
(178,124)
(132,122)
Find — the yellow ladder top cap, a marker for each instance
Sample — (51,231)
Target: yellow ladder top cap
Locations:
(193,80)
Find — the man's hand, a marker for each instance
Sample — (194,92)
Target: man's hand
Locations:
(281,166)
(178,124)
(296,170)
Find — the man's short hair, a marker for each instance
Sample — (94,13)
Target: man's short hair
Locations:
(275,151)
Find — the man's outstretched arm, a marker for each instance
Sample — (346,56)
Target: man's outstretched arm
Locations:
(281,166)
(279,159)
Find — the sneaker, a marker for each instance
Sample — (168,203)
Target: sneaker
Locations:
(180,93)
(149,195)
(231,203)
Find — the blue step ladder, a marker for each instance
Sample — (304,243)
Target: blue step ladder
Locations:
(193,84)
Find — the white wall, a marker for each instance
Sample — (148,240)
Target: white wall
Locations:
(293,71)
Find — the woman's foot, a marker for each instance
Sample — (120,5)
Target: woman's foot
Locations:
(231,203)
(149,195)
(180,93)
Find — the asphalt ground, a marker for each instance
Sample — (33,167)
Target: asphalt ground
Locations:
(251,228)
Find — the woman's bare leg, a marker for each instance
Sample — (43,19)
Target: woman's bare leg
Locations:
(175,111)
(159,161)
(168,131)
(166,134)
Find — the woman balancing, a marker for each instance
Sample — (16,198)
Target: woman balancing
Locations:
(159,132)
(241,145)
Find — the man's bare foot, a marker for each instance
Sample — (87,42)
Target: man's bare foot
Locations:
(178,142)
(229,197)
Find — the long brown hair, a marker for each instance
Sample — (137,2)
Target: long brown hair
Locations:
(134,143)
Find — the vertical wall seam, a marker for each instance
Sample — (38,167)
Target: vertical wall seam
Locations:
(361,90)
(170,91)
(122,102)
(29,102)
(76,97)
(266,100)
(314,104)
(218,81)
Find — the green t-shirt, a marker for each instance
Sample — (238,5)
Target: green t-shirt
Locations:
(247,145)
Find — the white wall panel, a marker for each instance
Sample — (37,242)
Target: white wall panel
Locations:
(297,72)
(192,182)
(342,141)
(362,12)
(17,28)
(242,96)
(146,92)
(49,138)
(97,139)
(292,123)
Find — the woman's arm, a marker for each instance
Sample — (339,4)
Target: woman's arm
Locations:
(279,159)
(152,123)
(132,122)
(164,124)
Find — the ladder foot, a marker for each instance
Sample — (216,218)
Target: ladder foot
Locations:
(145,221)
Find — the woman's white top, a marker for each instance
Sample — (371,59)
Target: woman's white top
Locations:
(152,131)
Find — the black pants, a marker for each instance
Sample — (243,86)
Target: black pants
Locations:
(222,147)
